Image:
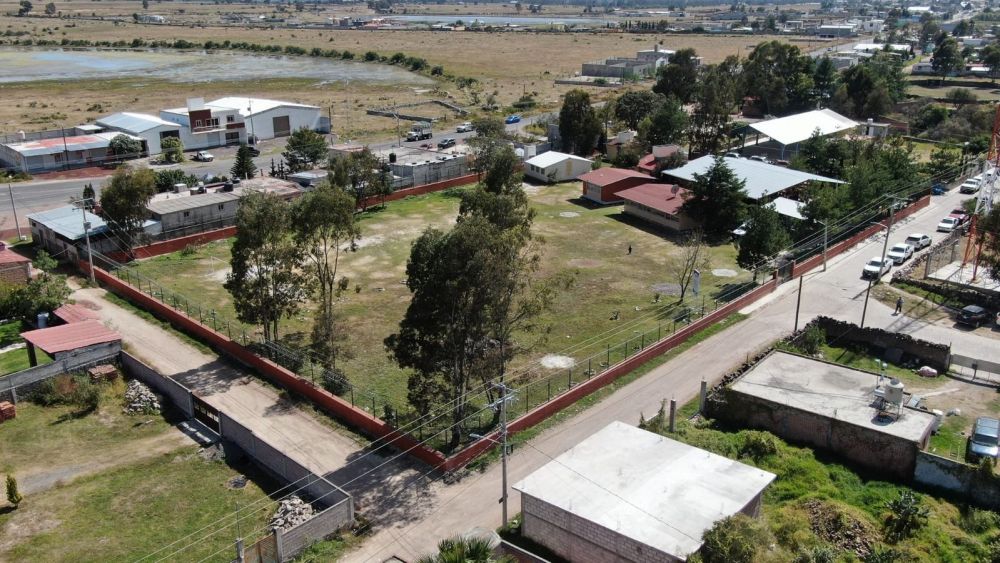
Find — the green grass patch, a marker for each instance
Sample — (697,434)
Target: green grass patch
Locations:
(861,359)
(951,439)
(817,502)
(10,333)
(330,549)
(14,361)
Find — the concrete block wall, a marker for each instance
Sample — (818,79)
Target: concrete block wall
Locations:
(938,356)
(177,393)
(320,526)
(956,477)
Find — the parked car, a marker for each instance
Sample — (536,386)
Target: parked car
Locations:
(948,224)
(464,128)
(972,315)
(985,438)
(733,154)
(512,119)
(969,186)
(876,268)
(918,241)
(760,158)
(899,253)
(959,214)
(939,189)
(204,156)
(445,143)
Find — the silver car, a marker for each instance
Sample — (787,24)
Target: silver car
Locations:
(900,253)
(985,439)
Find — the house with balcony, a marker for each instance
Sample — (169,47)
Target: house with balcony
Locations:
(234,120)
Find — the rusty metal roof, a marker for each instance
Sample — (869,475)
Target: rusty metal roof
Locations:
(73,336)
(75,313)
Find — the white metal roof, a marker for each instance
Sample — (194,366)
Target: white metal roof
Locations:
(186,203)
(900,47)
(244,105)
(549,158)
(58,145)
(68,221)
(134,122)
(652,489)
(799,127)
(789,207)
(761,178)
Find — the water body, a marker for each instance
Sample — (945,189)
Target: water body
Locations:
(26,64)
(502,20)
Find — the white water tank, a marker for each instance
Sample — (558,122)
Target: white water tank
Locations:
(894,392)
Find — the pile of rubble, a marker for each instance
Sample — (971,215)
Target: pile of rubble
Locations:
(291,512)
(140,399)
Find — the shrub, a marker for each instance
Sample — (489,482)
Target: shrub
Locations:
(977,521)
(335,381)
(735,539)
(68,389)
(818,554)
(757,444)
(906,515)
(812,339)
(882,555)
(13,495)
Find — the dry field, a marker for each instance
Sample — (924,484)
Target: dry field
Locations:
(509,64)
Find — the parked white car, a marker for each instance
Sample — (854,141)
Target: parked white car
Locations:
(948,224)
(465,127)
(876,268)
(918,241)
(900,253)
(204,156)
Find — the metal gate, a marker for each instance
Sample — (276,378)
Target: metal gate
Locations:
(206,414)
(282,126)
(264,551)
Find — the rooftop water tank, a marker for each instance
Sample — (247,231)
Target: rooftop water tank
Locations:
(894,392)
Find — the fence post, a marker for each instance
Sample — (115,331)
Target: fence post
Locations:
(570,380)
(352,395)
(548,393)
(609,357)
(659,334)
(590,371)
(642,341)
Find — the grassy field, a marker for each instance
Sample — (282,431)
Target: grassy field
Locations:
(816,502)
(931,87)
(525,64)
(587,243)
(16,360)
(103,486)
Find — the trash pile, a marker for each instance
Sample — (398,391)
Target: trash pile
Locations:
(291,512)
(140,399)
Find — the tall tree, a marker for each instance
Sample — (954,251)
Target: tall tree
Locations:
(634,106)
(717,199)
(304,150)
(265,281)
(324,223)
(123,203)
(173,149)
(579,127)
(947,58)
(50,9)
(362,174)
(668,124)
(679,77)
(825,79)
(780,77)
(125,146)
(691,255)
(89,196)
(716,98)
(765,237)
(991,58)
(243,166)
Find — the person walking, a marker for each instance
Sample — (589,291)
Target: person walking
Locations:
(629,249)
(899,305)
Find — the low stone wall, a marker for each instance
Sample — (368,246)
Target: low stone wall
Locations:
(21,384)
(969,482)
(937,356)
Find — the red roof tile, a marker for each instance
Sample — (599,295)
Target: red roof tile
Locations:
(8,256)
(605,176)
(667,198)
(75,313)
(64,338)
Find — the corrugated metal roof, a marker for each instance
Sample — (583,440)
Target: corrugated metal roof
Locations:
(186,203)
(134,122)
(64,338)
(61,144)
(8,256)
(75,313)
(605,176)
(799,127)
(68,221)
(662,197)
(761,178)
(244,105)
(789,207)
(549,158)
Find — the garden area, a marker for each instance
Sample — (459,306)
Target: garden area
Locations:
(102,485)
(616,304)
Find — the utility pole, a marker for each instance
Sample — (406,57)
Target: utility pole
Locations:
(825,232)
(253,136)
(798,303)
(17,225)
(864,310)
(86,233)
(503,444)
(65,149)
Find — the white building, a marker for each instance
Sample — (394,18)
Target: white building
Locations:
(148,127)
(235,120)
(58,152)
(556,167)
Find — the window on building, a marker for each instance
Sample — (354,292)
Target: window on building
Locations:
(187,213)
(230,119)
(198,123)
(222,206)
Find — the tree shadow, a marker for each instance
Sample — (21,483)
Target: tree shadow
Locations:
(6,509)
(209,379)
(74,415)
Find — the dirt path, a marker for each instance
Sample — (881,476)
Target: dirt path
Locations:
(226,388)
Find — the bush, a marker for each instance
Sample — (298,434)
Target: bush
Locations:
(906,515)
(757,444)
(68,389)
(736,539)
(335,381)
(977,521)
(812,340)
(13,495)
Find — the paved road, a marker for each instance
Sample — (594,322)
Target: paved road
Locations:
(410,526)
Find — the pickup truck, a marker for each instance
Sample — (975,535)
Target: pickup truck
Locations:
(464,128)
(204,156)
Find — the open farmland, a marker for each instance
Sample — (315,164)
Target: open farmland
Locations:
(588,243)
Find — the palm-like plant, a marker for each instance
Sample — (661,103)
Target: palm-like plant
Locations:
(466,550)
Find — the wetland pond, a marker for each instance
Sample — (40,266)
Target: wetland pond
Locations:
(29,64)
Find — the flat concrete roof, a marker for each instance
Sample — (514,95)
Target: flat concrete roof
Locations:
(647,487)
(828,390)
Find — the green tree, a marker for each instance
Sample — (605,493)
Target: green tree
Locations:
(361,174)
(825,79)
(780,77)
(50,9)
(167,178)
(961,96)
(24,8)
(305,149)
(324,223)
(943,165)
(928,31)
(173,149)
(668,124)
(634,106)
(579,127)
(717,200)
(947,58)
(44,294)
(123,203)
(243,166)
(735,539)
(765,237)
(88,194)
(44,261)
(466,550)
(716,98)
(13,495)
(125,146)
(991,58)
(679,77)
(265,282)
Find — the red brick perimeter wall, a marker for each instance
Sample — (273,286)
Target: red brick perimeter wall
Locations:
(424,189)
(335,406)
